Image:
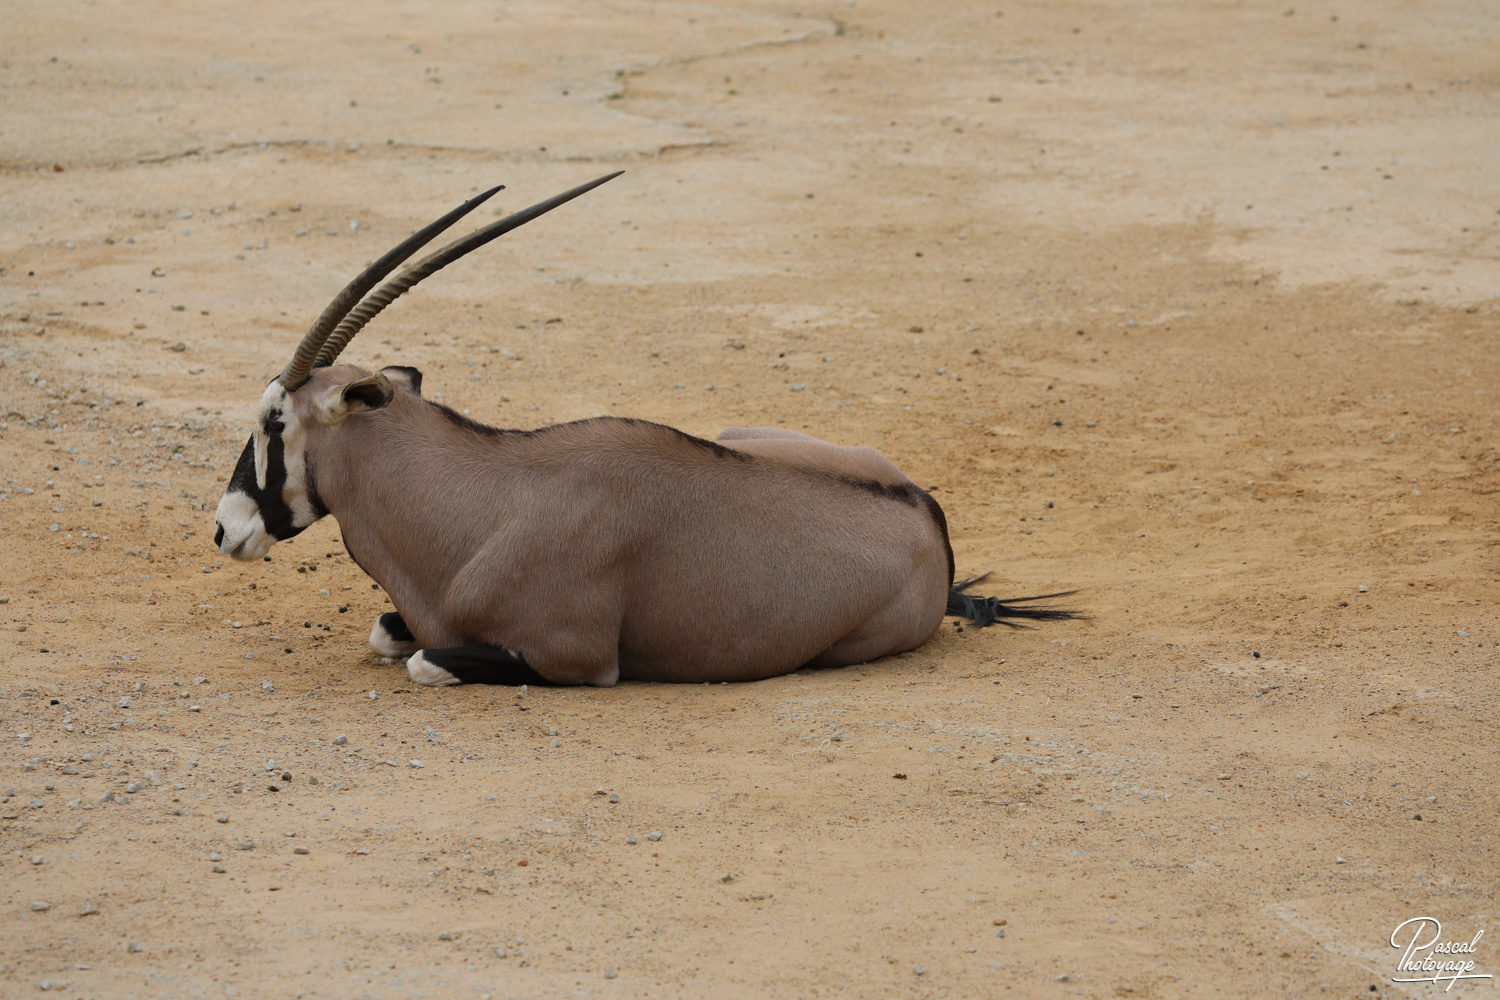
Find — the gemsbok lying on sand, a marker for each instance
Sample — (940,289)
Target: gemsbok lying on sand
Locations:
(588,552)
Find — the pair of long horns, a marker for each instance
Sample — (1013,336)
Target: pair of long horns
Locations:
(348,313)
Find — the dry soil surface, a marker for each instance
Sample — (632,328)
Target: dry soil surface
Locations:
(1191,306)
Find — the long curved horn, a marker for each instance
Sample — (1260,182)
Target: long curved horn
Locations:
(393,289)
(297,369)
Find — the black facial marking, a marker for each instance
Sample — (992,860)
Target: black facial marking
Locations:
(219,536)
(484,665)
(274,511)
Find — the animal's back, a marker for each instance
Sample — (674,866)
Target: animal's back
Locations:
(768,552)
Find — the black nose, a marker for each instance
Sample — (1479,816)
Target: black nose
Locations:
(219,536)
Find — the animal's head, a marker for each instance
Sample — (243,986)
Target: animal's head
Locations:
(273,493)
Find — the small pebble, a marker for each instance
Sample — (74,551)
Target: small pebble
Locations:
(445,936)
(222,817)
(300,850)
(414,763)
(613,798)
(1364,587)
(216,857)
(88,910)
(653,836)
(218,869)
(609,973)
(267,686)
(374,695)
(37,859)
(245,845)
(339,741)
(135,948)
(630,840)
(499,952)
(40,907)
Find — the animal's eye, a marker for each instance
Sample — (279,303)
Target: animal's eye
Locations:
(275,427)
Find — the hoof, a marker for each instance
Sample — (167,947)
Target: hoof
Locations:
(426,673)
(388,645)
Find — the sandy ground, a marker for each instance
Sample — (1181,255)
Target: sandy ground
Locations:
(1191,306)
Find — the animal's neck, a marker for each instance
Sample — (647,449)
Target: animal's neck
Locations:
(417,493)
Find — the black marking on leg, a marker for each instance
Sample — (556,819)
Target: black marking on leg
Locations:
(483,664)
(395,627)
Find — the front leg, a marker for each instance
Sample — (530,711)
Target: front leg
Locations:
(390,636)
(481,664)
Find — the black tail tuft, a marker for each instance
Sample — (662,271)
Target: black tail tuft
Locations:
(982,611)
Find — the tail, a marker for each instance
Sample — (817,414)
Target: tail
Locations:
(982,611)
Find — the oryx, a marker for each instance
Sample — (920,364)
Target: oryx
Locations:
(592,551)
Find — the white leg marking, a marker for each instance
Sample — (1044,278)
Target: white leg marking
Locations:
(386,644)
(426,673)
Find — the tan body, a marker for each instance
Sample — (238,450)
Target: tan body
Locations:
(611,549)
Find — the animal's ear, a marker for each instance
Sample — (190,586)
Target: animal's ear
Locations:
(360,396)
(404,375)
